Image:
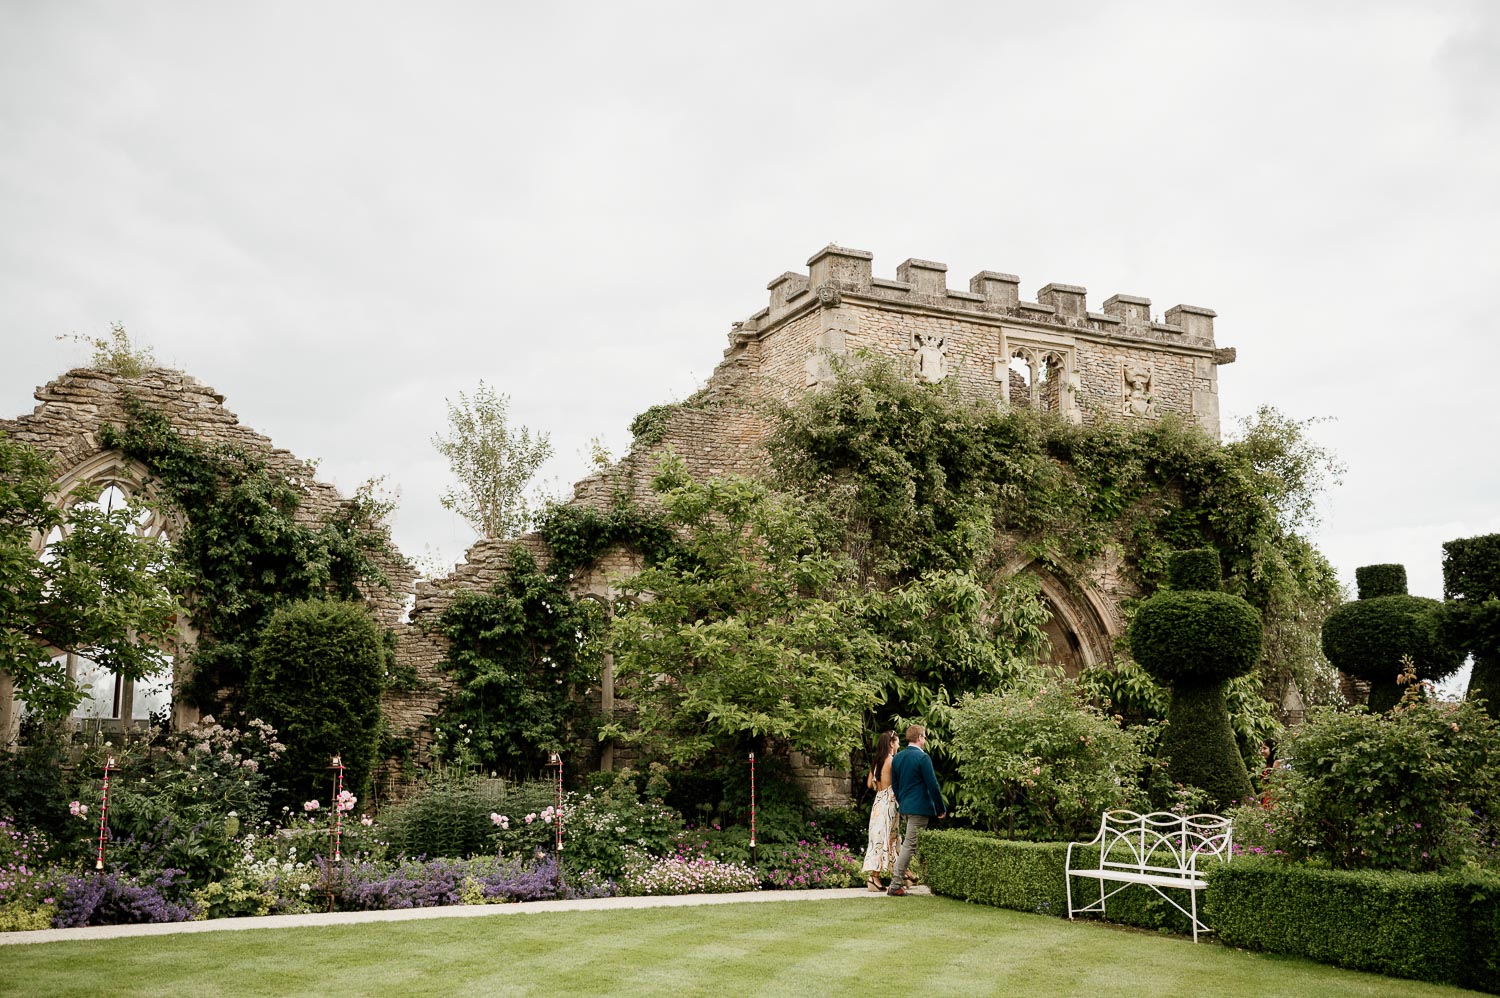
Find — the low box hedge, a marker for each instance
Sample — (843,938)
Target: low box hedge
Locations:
(1442,928)
(1028,876)
(1438,927)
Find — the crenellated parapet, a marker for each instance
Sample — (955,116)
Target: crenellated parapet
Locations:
(924,282)
(1052,352)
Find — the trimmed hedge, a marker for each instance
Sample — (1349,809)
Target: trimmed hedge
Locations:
(1028,876)
(1380,580)
(1195,568)
(1194,636)
(1369,637)
(1443,928)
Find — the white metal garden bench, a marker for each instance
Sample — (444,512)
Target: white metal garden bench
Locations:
(1160,850)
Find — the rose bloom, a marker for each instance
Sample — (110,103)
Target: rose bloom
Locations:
(311,805)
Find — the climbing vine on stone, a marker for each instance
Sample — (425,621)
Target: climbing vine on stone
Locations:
(243,550)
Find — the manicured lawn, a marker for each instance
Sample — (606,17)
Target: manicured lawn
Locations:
(856,947)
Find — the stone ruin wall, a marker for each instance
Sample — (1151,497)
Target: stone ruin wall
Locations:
(66,426)
(836,309)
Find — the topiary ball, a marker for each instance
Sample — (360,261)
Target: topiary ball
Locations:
(1368,638)
(1198,637)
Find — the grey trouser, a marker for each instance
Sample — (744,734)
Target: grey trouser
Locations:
(914,825)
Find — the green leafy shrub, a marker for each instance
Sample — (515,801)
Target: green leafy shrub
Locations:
(599,828)
(1197,641)
(245,550)
(1039,762)
(1373,636)
(1029,876)
(1471,618)
(233,897)
(519,656)
(1431,927)
(447,816)
(26,918)
(316,677)
(1416,789)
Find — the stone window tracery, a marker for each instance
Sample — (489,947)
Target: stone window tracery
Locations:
(111,699)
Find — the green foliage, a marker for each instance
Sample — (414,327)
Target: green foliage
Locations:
(520,657)
(912,480)
(602,827)
(650,427)
(316,677)
(492,462)
(34,782)
(1199,745)
(1028,876)
(1195,569)
(101,591)
(233,897)
(1039,762)
(117,353)
(447,816)
(1197,641)
(1195,637)
(26,918)
(1380,580)
(577,535)
(1471,621)
(1370,639)
(752,622)
(1433,927)
(1415,789)
(243,551)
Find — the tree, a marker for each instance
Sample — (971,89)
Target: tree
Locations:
(1471,618)
(1196,638)
(100,591)
(316,676)
(745,637)
(492,462)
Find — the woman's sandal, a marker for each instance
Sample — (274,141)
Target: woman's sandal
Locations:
(873,884)
(911,880)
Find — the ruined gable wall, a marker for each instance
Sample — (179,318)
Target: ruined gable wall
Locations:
(66,426)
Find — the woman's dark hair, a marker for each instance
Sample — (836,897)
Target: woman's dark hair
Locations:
(884,749)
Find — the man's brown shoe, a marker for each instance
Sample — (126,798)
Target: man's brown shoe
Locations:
(897,891)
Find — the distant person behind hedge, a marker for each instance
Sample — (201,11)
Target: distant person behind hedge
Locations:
(880,853)
(918,797)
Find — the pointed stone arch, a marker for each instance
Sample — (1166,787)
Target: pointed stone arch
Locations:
(1083,627)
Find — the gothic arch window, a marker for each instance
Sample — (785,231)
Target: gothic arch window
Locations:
(110,483)
(1039,373)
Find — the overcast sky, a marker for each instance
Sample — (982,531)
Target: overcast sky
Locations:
(340,215)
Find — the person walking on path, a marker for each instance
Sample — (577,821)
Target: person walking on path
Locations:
(917,796)
(880,851)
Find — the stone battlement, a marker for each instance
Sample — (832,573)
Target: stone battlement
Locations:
(835,271)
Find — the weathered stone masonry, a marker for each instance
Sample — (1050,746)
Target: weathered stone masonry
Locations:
(1052,354)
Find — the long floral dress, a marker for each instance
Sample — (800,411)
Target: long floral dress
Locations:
(880,854)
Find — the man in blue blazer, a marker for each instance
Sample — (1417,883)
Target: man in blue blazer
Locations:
(918,797)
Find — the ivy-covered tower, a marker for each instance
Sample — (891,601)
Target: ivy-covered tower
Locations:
(1371,637)
(1195,639)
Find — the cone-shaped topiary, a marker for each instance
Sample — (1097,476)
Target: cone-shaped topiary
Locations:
(1471,617)
(1197,639)
(1369,637)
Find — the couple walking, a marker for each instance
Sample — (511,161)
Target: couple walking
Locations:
(903,781)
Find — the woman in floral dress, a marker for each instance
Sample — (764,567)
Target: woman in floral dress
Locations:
(880,854)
